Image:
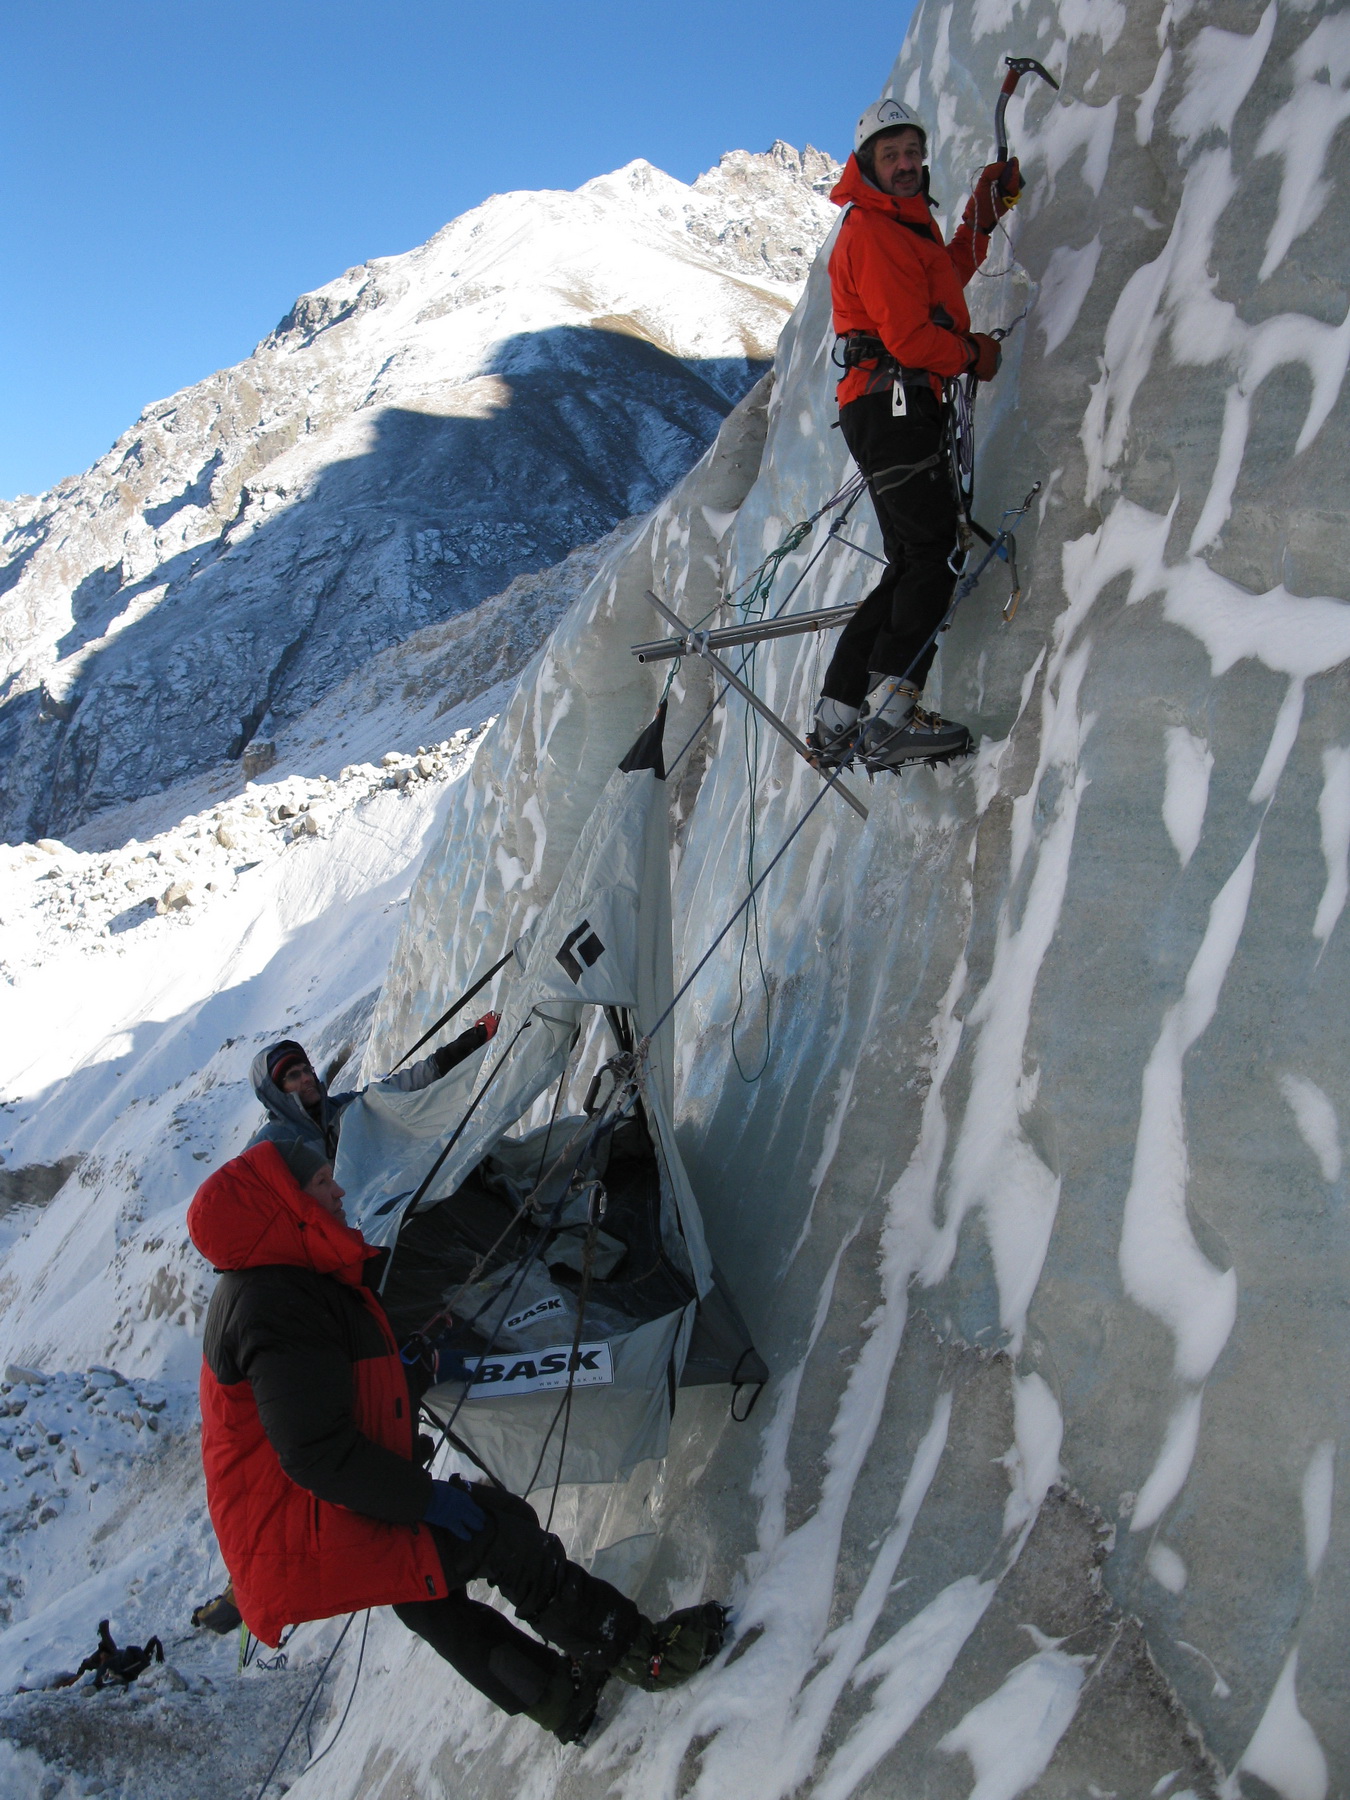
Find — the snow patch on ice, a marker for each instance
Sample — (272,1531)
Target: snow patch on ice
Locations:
(1173,1465)
(1284,1751)
(910,1668)
(1301,133)
(1221,68)
(1148,100)
(1287,722)
(1166,1567)
(1033,1461)
(1011,1736)
(1319,1481)
(1073,126)
(1333,811)
(1163,1268)
(994,1165)
(1064,287)
(1190,762)
(1317,1124)
(1290,634)
(1175,295)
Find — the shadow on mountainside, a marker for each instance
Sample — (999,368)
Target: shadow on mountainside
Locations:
(564,434)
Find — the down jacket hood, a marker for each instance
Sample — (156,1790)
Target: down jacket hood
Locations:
(253,1213)
(854,189)
(285,1108)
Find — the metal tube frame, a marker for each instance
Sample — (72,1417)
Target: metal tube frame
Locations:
(699,645)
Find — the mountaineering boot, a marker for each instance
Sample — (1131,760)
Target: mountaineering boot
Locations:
(568,1704)
(896,730)
(831,735)
(669,1653)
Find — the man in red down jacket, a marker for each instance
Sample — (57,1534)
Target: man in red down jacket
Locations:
(315,1491)
(900,310)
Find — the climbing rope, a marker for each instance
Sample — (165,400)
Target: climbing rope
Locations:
(356,1682)
(759,582)
(547,1226)
(595,1213)
(309,1701)
(702,962)
(750,735)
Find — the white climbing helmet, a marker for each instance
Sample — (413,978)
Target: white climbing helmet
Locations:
(886,115)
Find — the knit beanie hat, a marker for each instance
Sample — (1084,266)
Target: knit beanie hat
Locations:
(284,1056)
(301,1156)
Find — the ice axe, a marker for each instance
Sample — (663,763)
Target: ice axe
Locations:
(1018,66)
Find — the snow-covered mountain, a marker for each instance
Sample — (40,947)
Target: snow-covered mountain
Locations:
(407,440)
(1038,1207)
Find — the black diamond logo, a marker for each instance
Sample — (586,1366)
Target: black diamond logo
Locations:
(581,943)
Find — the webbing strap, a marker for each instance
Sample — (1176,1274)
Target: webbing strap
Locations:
(904,471)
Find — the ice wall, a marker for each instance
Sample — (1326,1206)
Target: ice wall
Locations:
(1038,1207)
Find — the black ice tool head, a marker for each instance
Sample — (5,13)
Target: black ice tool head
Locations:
(1018,66)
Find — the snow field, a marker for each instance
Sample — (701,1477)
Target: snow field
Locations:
(49,889)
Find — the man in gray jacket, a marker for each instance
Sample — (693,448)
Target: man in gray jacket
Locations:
(299,1105)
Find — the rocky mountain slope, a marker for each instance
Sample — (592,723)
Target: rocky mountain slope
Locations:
(407,440)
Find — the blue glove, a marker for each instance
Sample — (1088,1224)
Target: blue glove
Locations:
(454,1509)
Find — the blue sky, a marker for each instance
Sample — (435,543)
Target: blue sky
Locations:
(174,172)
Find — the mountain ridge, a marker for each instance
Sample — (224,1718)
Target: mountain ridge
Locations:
(407,440)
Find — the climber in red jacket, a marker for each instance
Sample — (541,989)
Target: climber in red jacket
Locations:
(318,1501)
(900,311)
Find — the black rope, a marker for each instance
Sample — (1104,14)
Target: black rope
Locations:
(463,1001)
(459,1130)
(465,1449)
(552,1120)
(564,1408)
(526,1204)
(849,544)
(750,735)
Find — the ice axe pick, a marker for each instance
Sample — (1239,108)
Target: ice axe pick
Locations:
(1018,66)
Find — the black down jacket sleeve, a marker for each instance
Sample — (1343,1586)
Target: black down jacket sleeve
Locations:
(453,1053)
(298,1358)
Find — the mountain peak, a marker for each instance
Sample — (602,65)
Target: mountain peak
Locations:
(412,436)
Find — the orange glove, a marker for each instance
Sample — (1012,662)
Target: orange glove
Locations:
(489,1021)
(997,188)
(985,356)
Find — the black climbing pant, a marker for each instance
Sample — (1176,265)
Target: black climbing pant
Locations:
(916,509)
(589,1621)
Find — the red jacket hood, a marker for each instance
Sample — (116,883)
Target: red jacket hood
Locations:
(253,1212)
(854,189)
